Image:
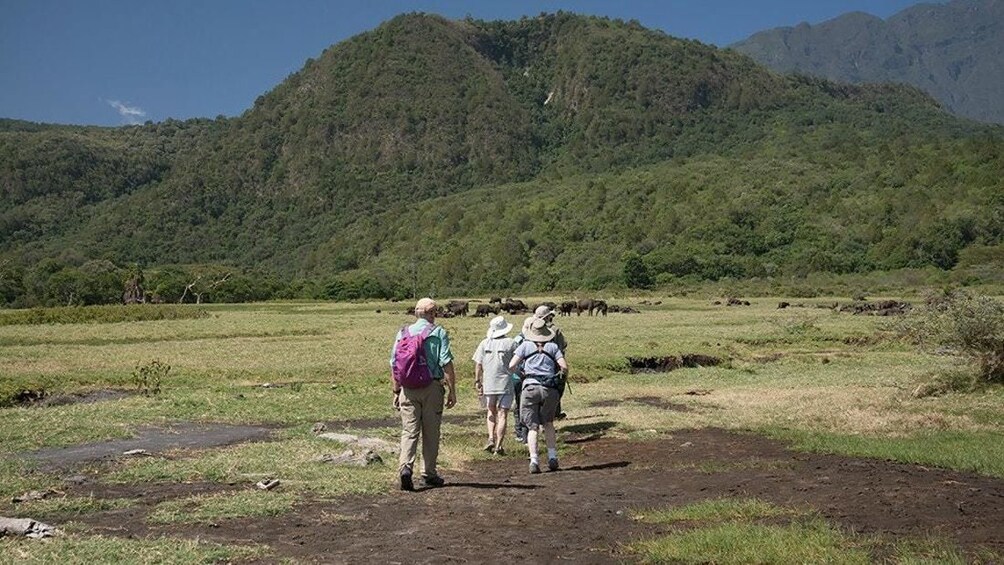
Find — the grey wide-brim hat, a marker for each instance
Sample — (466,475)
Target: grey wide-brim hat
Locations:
(498,327)
(539,332)
(543,311)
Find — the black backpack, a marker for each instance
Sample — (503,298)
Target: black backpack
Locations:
(555,380)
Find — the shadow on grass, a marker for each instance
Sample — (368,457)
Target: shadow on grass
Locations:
(486,486)
(591,437)
(599,466)
(593,428)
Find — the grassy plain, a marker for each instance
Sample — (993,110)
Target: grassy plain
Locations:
(821,380)
(737,531)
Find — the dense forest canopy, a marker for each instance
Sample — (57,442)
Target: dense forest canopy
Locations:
(546,153)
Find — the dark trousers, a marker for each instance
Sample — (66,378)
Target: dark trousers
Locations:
(518,425)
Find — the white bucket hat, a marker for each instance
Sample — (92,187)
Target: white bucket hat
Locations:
(498,327)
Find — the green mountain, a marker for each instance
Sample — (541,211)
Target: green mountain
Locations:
(463,156)
(952,51)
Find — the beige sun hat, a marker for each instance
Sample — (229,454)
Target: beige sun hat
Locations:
(425,305)
(539,332)
(498,327)
(543,312)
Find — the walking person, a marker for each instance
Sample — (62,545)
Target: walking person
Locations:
(544,367)
(491,378)
(422,375)
(546,313)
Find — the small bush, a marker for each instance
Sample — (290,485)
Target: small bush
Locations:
(148,378)
(971,325)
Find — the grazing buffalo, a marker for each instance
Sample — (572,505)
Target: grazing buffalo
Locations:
(590,305)
(551,306)
(495,300)
(457,307)
(514,306)
(485,309)
(600,307)
(566,308)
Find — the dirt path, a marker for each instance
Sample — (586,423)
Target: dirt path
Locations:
(583,512)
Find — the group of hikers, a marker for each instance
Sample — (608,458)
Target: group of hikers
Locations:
(524,374)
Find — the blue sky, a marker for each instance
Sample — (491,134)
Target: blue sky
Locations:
(113,62)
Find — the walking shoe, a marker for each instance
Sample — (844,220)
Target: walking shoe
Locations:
(499,451)
(489,447)
(406,482)
(552,464)
(561,416)
(434,481)
(534,468)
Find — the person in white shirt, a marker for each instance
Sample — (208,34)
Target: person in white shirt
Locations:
(491,378)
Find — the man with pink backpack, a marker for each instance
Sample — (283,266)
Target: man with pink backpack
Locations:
(422,375)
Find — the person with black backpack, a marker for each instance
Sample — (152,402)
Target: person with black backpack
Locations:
(544,370)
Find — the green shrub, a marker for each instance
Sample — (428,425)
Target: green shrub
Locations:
(148,378)
(970,324)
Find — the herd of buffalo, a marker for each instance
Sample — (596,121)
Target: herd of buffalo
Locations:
(498,305)
(590,306)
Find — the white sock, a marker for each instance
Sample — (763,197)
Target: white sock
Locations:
(531,444)
(552,453)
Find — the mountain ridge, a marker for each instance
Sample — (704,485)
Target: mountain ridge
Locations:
(952,51)
(438,116)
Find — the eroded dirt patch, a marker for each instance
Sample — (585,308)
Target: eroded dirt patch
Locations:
(587,507)
(671,363)
(39,398)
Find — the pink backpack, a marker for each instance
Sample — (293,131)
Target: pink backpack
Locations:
(410,369)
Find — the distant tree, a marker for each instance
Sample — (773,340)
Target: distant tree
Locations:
(636,274)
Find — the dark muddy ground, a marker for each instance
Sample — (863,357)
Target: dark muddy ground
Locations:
(152,439)
(495,511)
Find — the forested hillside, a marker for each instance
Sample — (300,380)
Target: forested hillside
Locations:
(431,155)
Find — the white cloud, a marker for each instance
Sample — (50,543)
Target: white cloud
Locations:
(131,114)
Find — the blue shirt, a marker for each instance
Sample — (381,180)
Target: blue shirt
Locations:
(436,346)
(539,364)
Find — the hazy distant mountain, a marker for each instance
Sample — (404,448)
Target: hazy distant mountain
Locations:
(953,51)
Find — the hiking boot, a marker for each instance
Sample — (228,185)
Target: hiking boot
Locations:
(406,482)
(499,451)
(534,468)
(434,481)
(552,464)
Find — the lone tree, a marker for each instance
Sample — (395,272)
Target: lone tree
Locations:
(636,273)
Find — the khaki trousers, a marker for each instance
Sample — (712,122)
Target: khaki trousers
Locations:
(421,414)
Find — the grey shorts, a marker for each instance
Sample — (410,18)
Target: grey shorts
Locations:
(537,405)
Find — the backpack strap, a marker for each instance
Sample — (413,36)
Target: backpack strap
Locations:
(542,351)
(405,332)
(428,331)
